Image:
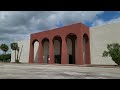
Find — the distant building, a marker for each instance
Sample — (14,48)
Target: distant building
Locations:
(72,44)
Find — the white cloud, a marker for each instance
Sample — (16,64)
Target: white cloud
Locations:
(98,22)
(20,24)
(114,20)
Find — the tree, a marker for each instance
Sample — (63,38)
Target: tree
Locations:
(14,46)
(113,52)
(4,48)
(17,52)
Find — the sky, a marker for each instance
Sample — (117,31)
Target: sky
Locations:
(18,25)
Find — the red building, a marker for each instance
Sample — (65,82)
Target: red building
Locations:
(75,32)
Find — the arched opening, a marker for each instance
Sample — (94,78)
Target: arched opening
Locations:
(45,44)
(35,46)
(71,45)
(85,43)
(57,41)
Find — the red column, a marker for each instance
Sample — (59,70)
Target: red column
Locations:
(31,53)
(40,53)
(51,52)
(79,50)
(73,51)
(60,51)
(88,52)
(64,58)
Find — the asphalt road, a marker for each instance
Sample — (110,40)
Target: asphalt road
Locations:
(37,71)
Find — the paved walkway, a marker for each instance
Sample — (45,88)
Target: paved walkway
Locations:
(37,71)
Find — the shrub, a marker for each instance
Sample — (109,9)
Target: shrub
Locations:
(5,57)
(113,52)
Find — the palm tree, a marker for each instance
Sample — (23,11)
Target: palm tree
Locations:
(14,46)
(17,52)
(4,48)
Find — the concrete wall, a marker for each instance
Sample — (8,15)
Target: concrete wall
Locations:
(69,46)
(25,51)
(45,51)
(36,45)
(84,49)
(100,36)
(57,47)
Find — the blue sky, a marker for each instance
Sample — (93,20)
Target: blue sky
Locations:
(18,25)
(105,17)
(108,15)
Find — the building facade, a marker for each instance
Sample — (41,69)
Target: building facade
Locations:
(72,44)
(76,32)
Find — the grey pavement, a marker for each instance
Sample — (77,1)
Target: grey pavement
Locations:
(37,71)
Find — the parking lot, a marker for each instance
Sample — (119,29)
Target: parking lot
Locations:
(37,71)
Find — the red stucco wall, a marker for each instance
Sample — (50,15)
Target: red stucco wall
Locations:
(78,29)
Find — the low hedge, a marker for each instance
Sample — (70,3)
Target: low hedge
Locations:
(5,58)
